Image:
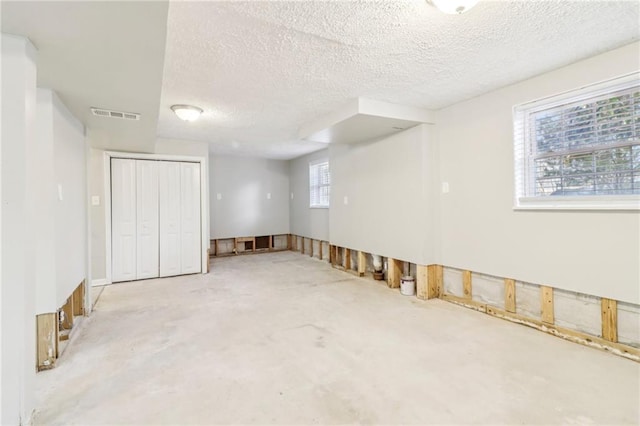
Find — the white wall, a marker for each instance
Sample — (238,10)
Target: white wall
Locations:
(244,209)
(95,166)
(71,211)
(18,239)
(46,193)
(61,225)
(596,253)
(305,221)
(389,187)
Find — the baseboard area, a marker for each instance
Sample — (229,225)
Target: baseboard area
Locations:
(55,329)
(597,322)
(99,282)
(248,245)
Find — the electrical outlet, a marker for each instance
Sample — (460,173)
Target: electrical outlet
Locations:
(95,200)
(346,200)
(268,195)
(445,187)
(219,196)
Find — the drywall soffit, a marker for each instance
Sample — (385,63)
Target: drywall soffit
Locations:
(362,120)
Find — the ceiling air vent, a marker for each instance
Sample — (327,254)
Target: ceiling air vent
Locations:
(115,114)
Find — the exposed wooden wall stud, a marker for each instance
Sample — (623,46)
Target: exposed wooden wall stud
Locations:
(422,280)
(47,343)
(302,246)
(311,247)
(432,286)
(394,272)
(510,295)
(439,280)
(609,320)
(547,304)
(362,263)
(347,259)
(78,300)
(466,284)
(67,308)
(320,249)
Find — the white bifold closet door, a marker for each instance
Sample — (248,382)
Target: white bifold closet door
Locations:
(179,218)
(123,220)
(190,217)
(147,219)
(155,218)
(170,255)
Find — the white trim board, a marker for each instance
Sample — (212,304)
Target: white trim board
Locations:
(204,237)
(100,282)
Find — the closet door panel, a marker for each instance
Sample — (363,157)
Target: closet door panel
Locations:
(147,219)
(123,220)
(190,218)
(169,186)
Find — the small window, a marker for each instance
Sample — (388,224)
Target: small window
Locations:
(319,184)
(580,149)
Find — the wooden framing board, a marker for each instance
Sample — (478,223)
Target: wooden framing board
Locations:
(546,295)
(301,245)
(67,308)
(434,281)
(466,284)
(251,240)
(311,247)
(510,295)
(362,263)
(394,272)
(467,303)
(78,299)
(609,320)
(47,343)
(629,352)
(422,280)
(347,259)
(320,249)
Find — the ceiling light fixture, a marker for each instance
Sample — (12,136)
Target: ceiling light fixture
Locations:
(187,112)
(454,7)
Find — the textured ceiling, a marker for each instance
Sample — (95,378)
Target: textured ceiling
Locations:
(262,69)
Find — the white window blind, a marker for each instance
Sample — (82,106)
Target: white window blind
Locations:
(319,184)
(580,145)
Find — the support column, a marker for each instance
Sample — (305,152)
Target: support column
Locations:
(17,240)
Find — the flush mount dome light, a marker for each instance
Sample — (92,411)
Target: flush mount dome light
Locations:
(187,112)
(453,7)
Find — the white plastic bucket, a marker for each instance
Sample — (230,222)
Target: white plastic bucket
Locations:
(408,286)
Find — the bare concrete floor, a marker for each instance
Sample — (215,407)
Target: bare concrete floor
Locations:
(283,339)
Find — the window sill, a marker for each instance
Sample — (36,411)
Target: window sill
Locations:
(605,203)
(318,207)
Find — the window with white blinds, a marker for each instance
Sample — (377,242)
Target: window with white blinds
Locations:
(319,184)
(581,148)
